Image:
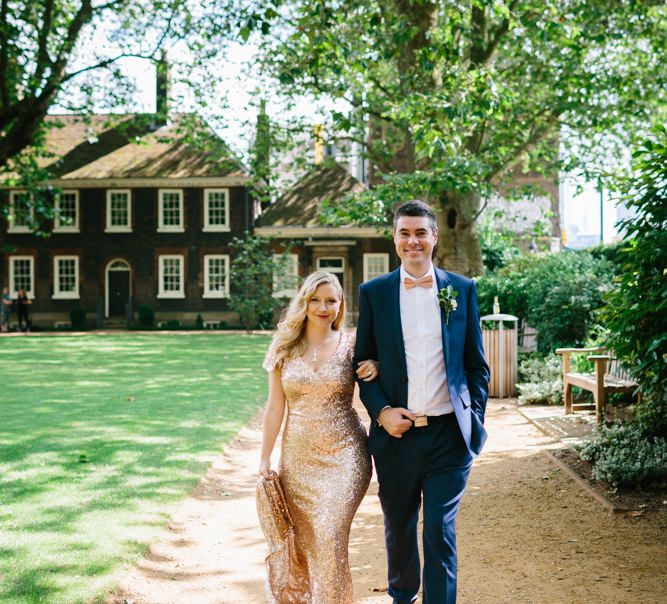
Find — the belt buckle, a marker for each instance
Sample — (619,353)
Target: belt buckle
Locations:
(421,421)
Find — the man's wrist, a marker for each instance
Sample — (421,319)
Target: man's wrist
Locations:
(379,423)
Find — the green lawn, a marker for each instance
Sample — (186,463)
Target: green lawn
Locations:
(100,437)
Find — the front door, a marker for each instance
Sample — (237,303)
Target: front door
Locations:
(119,292)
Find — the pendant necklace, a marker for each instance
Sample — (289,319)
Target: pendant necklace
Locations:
(315,349)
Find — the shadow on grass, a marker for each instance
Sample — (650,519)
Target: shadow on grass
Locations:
(100,437)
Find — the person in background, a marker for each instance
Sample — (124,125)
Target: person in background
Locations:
(5,309)
(23,303)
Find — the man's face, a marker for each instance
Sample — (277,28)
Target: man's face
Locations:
(414,240)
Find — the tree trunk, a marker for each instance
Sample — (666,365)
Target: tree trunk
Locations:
(458,246)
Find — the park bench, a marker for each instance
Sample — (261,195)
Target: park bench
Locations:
(608,377)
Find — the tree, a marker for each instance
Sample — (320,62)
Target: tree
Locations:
(452,99)
(255,271)
(51,51)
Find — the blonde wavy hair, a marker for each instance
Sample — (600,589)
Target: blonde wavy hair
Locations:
(288,341)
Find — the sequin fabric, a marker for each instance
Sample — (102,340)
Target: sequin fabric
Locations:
(325,471)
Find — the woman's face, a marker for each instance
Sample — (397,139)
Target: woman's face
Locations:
(324,305)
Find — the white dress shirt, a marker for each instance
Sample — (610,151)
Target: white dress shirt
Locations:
(421,321)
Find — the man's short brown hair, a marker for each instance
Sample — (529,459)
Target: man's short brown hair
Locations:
(416,207)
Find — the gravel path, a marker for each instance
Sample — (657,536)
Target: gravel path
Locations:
(528,534)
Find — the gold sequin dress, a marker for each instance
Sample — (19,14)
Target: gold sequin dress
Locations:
(325,470)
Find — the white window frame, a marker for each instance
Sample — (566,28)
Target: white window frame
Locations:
(66,228)
(215,228)
(367,257)
(65,295)
(171,294)
(13,292)
(12,227)
(286,293)
(209,293)
(336,270)
(117,228)
(171,228)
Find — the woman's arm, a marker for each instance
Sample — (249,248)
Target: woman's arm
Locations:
(273,419)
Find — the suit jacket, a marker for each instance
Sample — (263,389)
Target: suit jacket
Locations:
(380,336)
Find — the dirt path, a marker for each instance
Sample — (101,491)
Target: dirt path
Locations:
(528,534)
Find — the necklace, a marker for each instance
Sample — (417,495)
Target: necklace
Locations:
(315,349)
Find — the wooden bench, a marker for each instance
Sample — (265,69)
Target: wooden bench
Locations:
(609,377)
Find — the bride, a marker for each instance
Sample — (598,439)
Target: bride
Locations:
(324,468)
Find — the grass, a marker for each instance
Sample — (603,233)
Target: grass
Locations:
(100,436)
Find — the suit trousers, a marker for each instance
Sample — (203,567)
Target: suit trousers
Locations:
(429,464)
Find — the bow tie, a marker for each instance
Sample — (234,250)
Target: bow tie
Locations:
(426,281)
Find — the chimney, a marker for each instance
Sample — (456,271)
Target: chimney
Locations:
(162,89)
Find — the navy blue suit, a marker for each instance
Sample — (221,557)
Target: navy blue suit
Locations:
(431,462)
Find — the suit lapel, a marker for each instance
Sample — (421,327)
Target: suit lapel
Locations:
(443,281)
(394,297)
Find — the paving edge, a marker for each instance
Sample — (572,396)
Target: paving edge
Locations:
(582,482)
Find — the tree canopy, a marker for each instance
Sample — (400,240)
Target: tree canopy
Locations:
(68,53)
(453,98)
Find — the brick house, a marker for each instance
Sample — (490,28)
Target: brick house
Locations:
(146,212)
(355,254)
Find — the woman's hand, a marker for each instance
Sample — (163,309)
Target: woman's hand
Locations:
(368,370)
(265,469)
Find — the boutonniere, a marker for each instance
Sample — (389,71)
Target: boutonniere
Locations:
(447,300)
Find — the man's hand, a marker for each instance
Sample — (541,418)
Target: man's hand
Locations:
(396,420)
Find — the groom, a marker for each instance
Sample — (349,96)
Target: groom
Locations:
(426,407)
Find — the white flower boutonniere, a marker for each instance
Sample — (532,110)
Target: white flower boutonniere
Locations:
(447,299)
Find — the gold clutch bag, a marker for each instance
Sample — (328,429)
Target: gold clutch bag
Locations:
(282,564)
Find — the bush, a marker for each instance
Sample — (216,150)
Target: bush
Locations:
(636,309)
(558,294)
(541,380)
(146,316)
(635,316)
(498,247)
(77,317)
(623,454)
(199,322)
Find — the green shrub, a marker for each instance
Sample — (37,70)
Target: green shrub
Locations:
(540,380)
(199,322)
(173,324)
(635,316)
(623,454)
(77,317)
(146,316)
(498,247)
(636,309)
(558,294)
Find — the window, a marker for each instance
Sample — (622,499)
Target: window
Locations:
(170,210)
(119,211)
(171,277)
(21,212)
(67,212)
(216,209)
(375,265)
(285,276)
(66,277)
(216,276)
(335,266)
(21,275)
